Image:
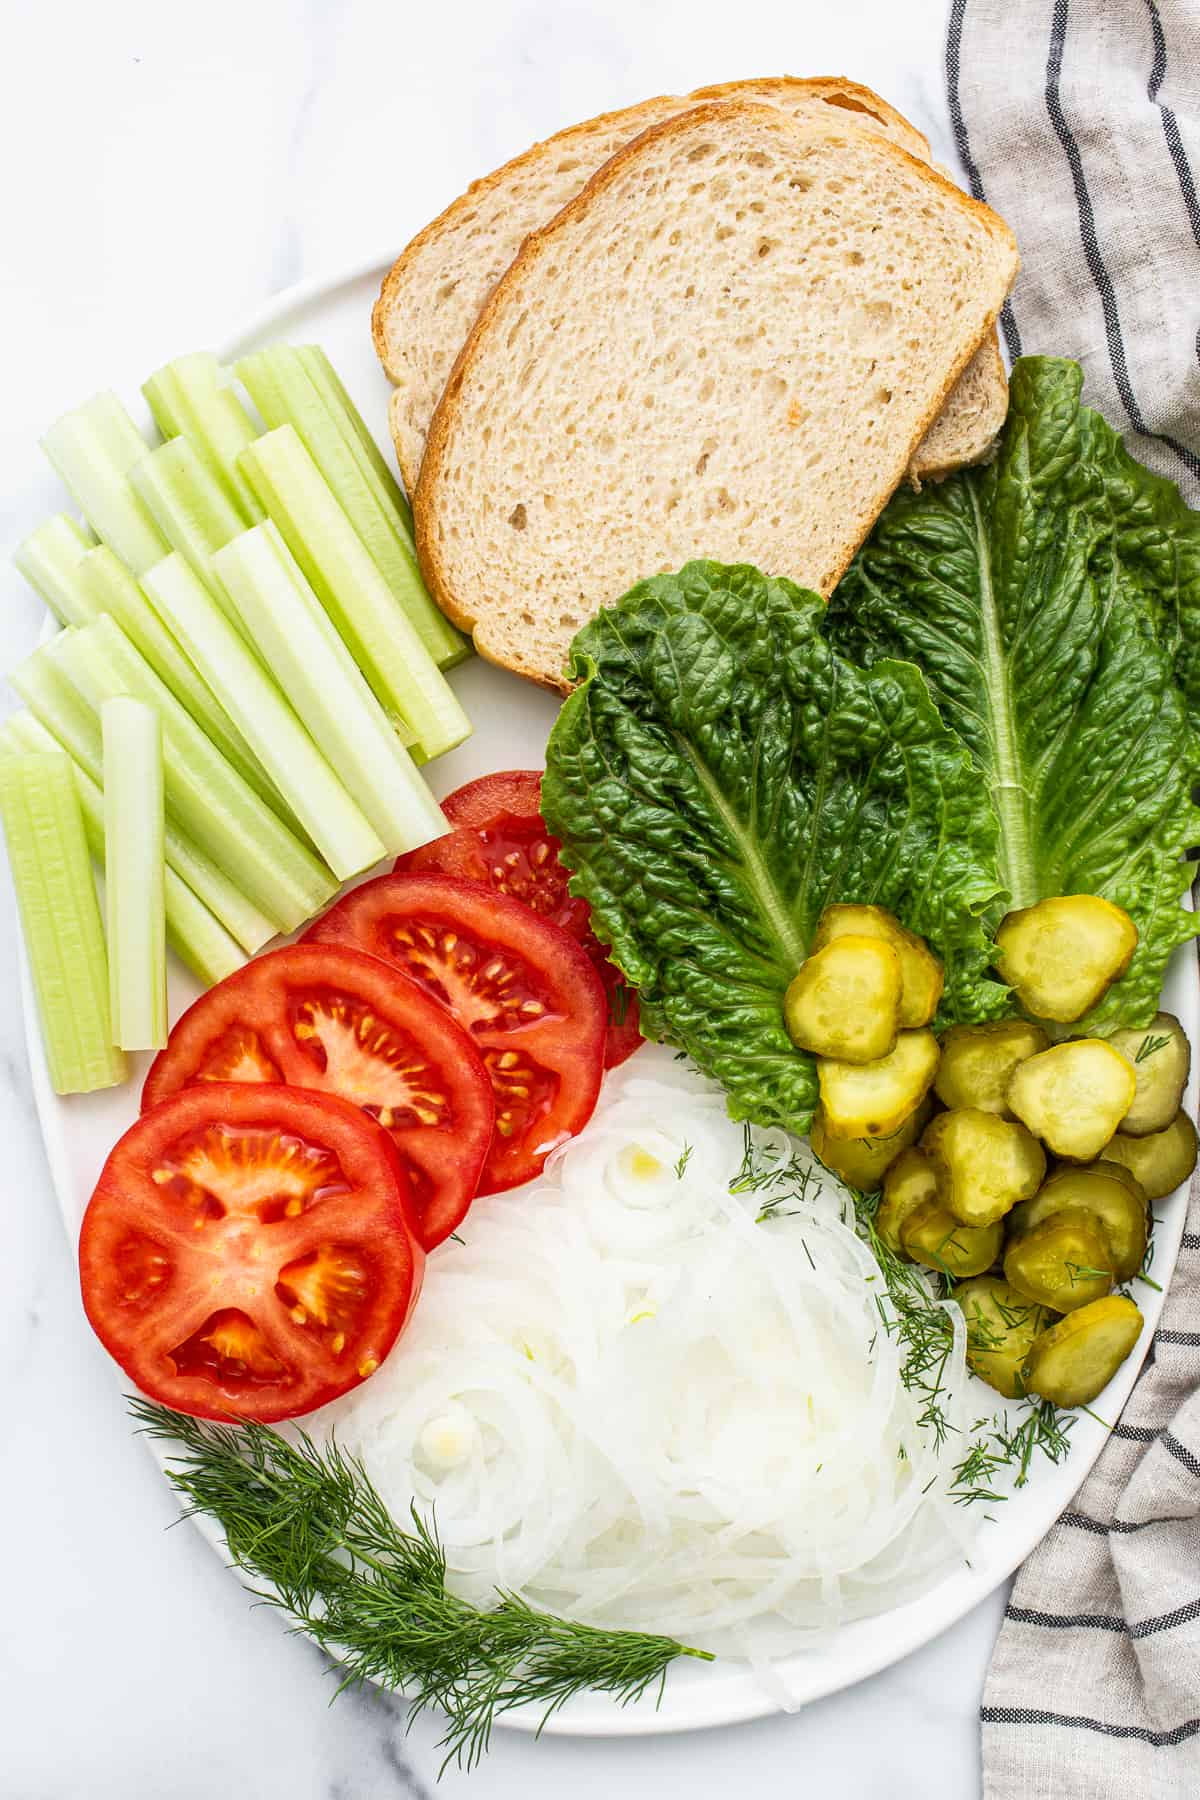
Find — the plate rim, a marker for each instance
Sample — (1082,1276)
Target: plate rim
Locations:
(729,1694)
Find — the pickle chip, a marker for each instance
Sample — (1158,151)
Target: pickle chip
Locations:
(908,1183)
(863,1162)
(874,1099)
(1109,1191)
(1063,1263)
(1161,1058)
(1070,1363)
(984,1164)
(1061,954)
(1074,1096)
(922,972)
(845,1000)
(932,1235)
(1001,1328)
(1160,1162)
(978,1062)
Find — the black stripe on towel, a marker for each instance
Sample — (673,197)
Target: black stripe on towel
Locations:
(1091,245)
(1170,123)
(1135,1434)
(1182,1615)
(1119,1527)
(1190,1240)
(1026,1615)
(1190,1338)
(1181,1453)
(962,141)
(1029,1715)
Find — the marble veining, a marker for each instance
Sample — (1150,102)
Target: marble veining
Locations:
(168,169)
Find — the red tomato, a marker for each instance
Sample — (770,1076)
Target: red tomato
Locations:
(338,1021)
(523,988)
(247,1251)
(478,802)
(502,840)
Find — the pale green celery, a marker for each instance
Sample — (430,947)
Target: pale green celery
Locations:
(50,682)
(60,915)
(133,874)
(109,587)
(195,934)
(93,450)
(383,642)
(191,509)
(194,398)
(206,797)
(286,391)
(310,786)
(327,689)
(50,560)
(332,389)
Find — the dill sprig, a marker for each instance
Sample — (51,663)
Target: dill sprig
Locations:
(306,1520)
(1150,1046)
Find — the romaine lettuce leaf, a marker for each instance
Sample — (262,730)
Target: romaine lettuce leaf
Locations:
(1048,598)
(719,777)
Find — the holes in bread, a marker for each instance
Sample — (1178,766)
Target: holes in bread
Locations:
(764,246)
(758,159)
(854,259)
(706,450)
(698,152)
(801,183)
(849,104)
(518,518)
(446,289)
(722,232)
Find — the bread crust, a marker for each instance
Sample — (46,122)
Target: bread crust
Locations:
(458,608)
(639,117)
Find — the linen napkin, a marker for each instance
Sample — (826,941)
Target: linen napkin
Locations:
(1079,121)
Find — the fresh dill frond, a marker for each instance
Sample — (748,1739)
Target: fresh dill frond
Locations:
(306,1521)
(1148,1046)
(685,1157)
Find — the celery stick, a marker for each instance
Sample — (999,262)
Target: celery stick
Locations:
(384,644)
(332,389)
(133,874)
(193,397)
(56,895)
(109,587)
(285,392)
(49,682)
(312,789)
(191,509)
(325,686)
(50,560)
(196,935)
(93,450)
(206,797)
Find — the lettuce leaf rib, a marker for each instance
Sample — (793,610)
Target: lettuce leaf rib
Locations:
(1052,600)
(721,775)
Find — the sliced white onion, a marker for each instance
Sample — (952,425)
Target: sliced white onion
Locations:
(629,1401)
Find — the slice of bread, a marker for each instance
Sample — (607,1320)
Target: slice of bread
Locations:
(728,345)
(434,291)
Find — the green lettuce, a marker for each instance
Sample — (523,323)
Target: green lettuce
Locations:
(1052,600)
(721,775)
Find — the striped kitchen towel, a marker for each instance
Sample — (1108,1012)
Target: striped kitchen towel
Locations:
(1079,121)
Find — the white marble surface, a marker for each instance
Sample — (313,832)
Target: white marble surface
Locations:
(168,168)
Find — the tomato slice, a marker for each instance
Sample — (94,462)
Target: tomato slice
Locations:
(502,840)
(339,1021)
(524,989)
(247,1251)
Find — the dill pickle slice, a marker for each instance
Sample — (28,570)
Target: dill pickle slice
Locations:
(907,1184)
(1061,954)
(862,1163)
(1063,1263)
(984,1165)
(1162,1059)
(1073,1096)
(922,972)
(845,1000)
(874,1099)
(1112,1193)
(1159,1162)
(932,1235)
(1001,1328)
(1070,1363)
(978,1062)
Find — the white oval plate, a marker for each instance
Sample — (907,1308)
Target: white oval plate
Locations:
(512,719)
